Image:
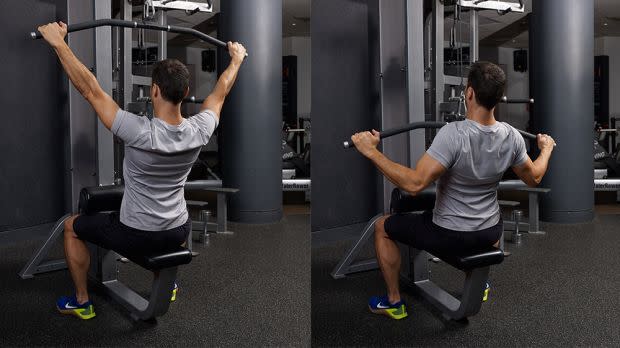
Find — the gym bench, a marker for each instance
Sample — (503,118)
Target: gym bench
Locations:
(415,270)
(104,263)
(476,266)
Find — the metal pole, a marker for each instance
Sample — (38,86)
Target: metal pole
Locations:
(103,70)
(415,75)
(474,46)
(437,64)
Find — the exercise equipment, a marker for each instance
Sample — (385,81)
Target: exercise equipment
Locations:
(104,271)
(516,100)
(416,125)
(141,25)
(415,271)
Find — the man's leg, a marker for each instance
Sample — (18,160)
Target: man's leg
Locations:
(388,257)
(78,260)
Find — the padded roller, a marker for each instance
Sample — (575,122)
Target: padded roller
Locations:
(101,198)
(403,202)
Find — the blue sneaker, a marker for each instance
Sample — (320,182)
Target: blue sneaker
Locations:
(69,305)
(381,305)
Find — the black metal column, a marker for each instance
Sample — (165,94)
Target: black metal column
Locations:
(562,56)
(252,115)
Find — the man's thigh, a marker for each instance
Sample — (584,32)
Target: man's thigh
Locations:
(417,230)
(104,230)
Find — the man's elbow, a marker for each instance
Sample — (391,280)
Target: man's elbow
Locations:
(413,188)
(535,181)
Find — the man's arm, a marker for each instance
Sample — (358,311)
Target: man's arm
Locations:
(83,80)
(215,100)
(413,181)
(532,172)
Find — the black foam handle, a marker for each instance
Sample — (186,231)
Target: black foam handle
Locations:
(517,100)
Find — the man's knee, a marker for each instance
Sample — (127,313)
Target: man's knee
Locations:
(69,232)
(380,226)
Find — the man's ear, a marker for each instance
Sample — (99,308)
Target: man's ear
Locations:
(186,92)
(469,93)
(155,90)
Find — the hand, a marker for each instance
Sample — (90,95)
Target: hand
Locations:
(54,33)
(236,51)
(545,142)
(366,142)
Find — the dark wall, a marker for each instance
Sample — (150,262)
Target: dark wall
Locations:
(31,136)
(343,182)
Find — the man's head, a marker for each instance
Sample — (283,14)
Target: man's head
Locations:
(486,83)
(170,81)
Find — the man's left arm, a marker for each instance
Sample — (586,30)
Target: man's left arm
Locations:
(411,180)
(83,80)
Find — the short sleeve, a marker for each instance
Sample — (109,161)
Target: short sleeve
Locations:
(443,149)
(520,151)
(206,122)
(129,127)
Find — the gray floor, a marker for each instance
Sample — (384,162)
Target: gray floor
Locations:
(560,289)
(252,288)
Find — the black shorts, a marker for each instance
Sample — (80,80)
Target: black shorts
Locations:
(419,231)
(107,231)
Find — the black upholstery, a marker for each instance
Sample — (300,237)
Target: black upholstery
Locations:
(97,199)
(108,198)
(176,257)
(403,202)
(480,258)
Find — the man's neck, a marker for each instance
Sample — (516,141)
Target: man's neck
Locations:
(168,113)
(481,115)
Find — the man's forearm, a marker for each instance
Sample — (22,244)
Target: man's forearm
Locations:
(228,77)
(540,165)
(401,176)
(83,80)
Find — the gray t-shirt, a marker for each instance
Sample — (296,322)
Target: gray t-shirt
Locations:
(476,158)
(158,159)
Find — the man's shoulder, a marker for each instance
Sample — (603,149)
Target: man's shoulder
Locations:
(132,116)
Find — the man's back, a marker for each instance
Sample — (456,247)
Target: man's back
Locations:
(476,157)
(158,159)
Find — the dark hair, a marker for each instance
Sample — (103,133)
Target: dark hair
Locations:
(172,77)
(488,81)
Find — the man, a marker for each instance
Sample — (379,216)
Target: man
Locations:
(468,159)
(159,154)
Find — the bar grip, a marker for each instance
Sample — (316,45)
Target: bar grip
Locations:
(517,100)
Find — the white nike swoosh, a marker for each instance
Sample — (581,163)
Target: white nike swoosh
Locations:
(68,306)
(380,306)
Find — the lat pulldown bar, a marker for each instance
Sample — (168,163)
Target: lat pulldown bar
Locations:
(416,125)
(142,25)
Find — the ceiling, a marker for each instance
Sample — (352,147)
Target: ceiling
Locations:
(509,30)
(295,20)
(606,22)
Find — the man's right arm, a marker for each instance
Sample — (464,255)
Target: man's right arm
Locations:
(215,100)
(532,172)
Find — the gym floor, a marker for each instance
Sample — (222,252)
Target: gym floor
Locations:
(252,287)
(558,289)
